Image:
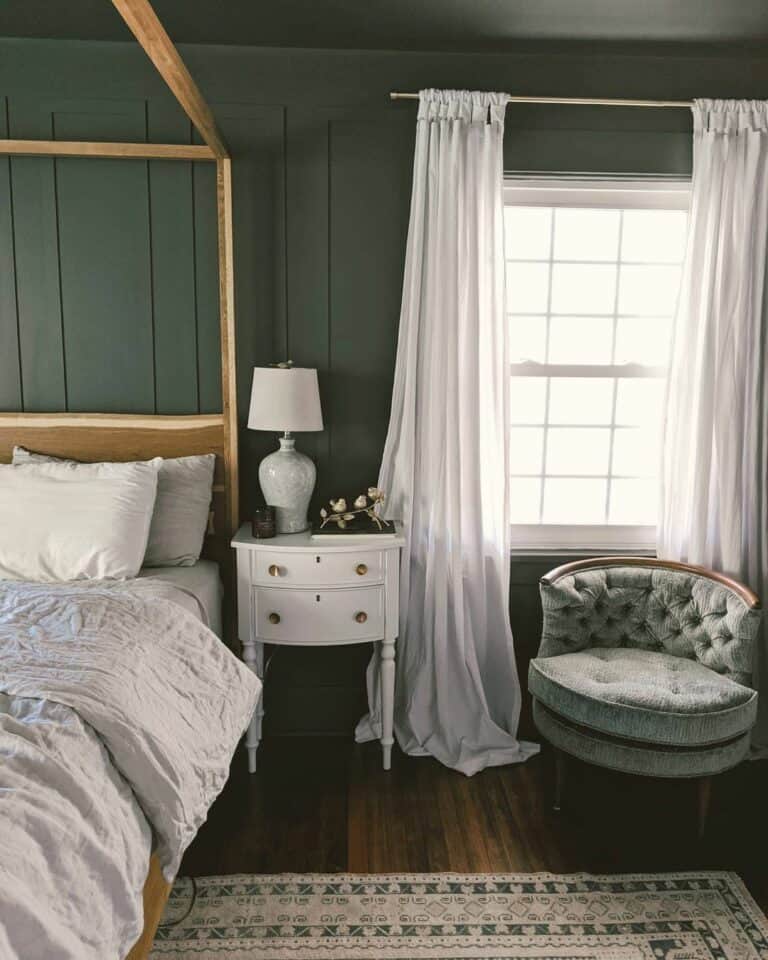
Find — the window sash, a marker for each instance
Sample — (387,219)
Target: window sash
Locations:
(588,193)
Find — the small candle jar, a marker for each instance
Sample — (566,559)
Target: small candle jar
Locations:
(263,523)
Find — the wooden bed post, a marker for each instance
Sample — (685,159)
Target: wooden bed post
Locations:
(228,356)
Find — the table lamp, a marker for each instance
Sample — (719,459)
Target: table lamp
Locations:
(286,398)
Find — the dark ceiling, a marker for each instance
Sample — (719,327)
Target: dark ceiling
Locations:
(403,24)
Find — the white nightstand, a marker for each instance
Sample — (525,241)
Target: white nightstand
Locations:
(297,591)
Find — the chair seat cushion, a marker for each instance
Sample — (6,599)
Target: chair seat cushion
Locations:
(643,695)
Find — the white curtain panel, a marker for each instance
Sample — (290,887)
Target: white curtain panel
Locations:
(714,508)
(445,467)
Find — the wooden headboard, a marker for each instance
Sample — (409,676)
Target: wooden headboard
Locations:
(104,436)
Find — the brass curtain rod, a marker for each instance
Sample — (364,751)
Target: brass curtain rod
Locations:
(575,101)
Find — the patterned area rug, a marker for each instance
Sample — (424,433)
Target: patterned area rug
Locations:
(681,916)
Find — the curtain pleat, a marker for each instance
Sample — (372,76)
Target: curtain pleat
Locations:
(445,463)
(714,506)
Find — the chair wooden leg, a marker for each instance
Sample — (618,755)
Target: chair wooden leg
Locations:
(561,761)
(705,795)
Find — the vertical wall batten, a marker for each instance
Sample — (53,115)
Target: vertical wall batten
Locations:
(153,325)
(328,422)
(15,272)
(151,264)
(286,259)
(10,359)
(62,333)
(277,213)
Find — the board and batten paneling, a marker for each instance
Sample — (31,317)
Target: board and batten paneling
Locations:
(114,293)
(111,287)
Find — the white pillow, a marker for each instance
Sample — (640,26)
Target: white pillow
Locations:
(183,501)
(75,521)
(184,490)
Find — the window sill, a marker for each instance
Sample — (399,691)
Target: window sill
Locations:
(582,538)
(537,553)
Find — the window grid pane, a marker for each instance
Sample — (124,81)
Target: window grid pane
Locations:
(547,344)
(589,492)
(609,484)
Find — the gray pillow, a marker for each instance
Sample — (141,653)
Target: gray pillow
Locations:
(180,517)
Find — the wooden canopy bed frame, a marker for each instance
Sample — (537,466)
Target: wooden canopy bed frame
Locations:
(139,437)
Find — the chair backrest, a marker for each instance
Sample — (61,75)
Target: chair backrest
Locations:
(675,608)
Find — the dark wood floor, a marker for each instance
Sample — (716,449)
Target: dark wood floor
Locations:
(325,805)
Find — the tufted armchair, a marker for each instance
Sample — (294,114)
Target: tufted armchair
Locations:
(644,666)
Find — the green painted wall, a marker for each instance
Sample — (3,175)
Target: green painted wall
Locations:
(108,295)
(108,290)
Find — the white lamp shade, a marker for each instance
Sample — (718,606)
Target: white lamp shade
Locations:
(285,399)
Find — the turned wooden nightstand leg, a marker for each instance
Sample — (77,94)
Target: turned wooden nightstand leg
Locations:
(387,655)
(252,739)
(253,656)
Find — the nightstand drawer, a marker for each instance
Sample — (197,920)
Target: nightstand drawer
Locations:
(318,616)
(324,568)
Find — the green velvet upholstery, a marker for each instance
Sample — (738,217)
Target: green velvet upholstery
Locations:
(646,669)
(644,695)
(631,756)
(654,608)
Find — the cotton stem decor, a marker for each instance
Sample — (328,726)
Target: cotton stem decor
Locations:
(715,458)
(445,460)
(365,504)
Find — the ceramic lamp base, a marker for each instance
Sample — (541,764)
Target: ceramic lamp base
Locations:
(287,479)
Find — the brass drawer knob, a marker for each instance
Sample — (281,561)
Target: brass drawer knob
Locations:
(361,569)
(274,570)
(274,618)
(361,617)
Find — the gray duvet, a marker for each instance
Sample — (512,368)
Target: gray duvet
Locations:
(119,715)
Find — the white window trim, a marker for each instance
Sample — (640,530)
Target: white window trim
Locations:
(582,538)
(535,368)
(628,194)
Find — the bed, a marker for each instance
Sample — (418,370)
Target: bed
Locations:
(151,812)
(94,437)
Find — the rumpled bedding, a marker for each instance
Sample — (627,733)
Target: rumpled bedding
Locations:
(119,715)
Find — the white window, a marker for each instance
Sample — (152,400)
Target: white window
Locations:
(593,272)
